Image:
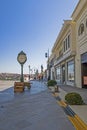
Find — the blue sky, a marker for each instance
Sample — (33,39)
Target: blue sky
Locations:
(31,26)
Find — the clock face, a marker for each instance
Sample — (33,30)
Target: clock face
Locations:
(22,58)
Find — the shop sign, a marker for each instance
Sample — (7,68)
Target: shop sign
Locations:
(85,80)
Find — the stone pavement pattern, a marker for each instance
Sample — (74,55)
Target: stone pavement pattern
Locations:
(37,111)
(80,110)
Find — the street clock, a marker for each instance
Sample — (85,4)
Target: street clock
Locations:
(21,58)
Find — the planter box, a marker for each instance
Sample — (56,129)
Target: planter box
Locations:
(18,86)
(56,88)
(52,88)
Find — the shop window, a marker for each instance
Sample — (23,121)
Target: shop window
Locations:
(58,74)
(70,71)
(81,29)
(67,43)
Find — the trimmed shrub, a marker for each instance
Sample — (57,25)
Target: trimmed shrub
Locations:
(73,98)
(51,83)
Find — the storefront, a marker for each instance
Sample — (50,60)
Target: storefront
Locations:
(70,71)
(84,69)
(58,74)
(65,72)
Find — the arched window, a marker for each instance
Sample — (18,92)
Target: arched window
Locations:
(81,29)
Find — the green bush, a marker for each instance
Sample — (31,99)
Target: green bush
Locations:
(51,83)
(73,98)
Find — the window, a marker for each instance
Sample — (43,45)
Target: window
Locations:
(64,47)
(58,74)
(81,29)
(67,43)
(70,69)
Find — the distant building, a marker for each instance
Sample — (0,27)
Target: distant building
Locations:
(9,76)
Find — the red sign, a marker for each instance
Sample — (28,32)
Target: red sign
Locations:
(85,80)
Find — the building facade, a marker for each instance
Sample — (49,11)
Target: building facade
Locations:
(80,17)
(69,53)
(64,50)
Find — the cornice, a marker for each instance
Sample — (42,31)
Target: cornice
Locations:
(79,9)
(66,24)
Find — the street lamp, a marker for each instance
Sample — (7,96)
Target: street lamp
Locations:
(22,58)
(48,66)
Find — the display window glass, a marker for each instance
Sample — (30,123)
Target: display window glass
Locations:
(70,71)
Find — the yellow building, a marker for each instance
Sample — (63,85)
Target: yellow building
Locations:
(64,51)
(80,17)
(70,49)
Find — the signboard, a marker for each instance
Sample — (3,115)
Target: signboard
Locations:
(85,80)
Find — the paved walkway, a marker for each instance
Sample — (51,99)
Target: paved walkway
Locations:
(80,110)
(36,111)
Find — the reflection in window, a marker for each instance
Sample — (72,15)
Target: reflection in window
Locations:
(70,73)
(81,29)
(58,74)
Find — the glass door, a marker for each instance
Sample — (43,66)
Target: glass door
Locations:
(63,74)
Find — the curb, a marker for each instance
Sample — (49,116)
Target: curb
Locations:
(72,116)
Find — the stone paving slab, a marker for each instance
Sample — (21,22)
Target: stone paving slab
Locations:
(33,112)
(80,110)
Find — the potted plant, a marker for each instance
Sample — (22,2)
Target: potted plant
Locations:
(74,98)
(52,85)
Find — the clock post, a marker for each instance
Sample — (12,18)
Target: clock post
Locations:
(22,58)
(20,86)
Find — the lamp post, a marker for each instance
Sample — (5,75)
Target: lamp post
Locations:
(22,58)
(48,66)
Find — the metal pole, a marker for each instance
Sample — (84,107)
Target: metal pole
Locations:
(22,78)
(48,67)
(29,72)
